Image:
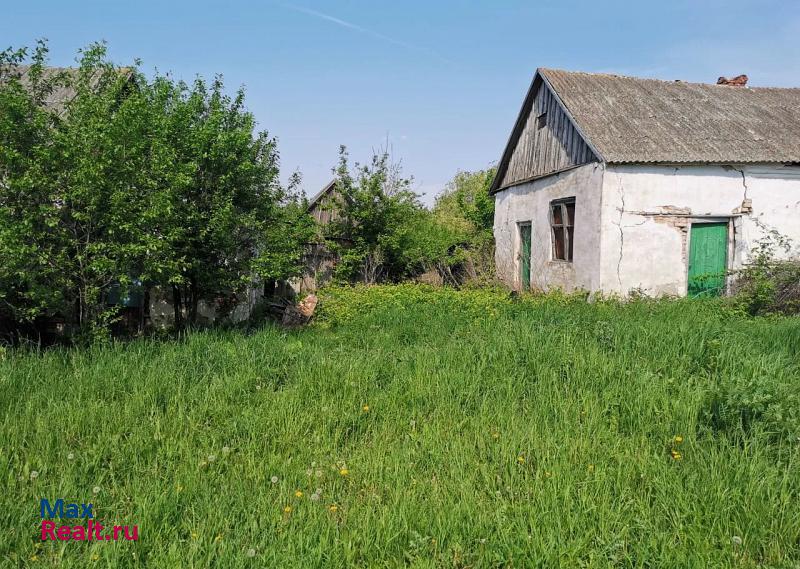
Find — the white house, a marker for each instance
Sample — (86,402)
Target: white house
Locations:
(617,184)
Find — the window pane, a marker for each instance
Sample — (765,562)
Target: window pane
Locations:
(571,232)
(571,213)
(558,243)
(557,214)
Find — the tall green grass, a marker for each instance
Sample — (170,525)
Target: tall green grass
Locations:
(441,428)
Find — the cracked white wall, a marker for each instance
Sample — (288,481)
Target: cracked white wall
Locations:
(530,202)
(648,211)
(633,222)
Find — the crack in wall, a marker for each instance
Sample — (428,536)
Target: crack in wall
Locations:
(744,181)
(756,219)
(619,226)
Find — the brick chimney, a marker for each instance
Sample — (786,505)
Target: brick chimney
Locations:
(738,81)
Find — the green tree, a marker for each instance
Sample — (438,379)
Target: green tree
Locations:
(133,180)
(25,130)
(379,212)
(467,210)
(231,220)
(466,200)
(76,213)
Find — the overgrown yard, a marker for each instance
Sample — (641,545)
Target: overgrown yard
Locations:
(420,427)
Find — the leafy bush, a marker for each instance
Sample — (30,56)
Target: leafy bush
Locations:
(739,406)
(386,235)
(379,215)
(769,285)
(138,179)
(467,209)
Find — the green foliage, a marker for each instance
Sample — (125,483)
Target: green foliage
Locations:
(466,199)
(738,406)
(230,218)
(385,234)
(380,216)
(76,211)
(499,431)
(467,210)
(769,285)
(133,179)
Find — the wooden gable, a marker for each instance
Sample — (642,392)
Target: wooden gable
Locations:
(326,205)
(544,140)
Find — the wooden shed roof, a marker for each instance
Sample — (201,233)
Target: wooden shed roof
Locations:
(329,187)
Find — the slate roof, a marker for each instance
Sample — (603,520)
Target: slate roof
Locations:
(632,120)
(61,94)
(63,79)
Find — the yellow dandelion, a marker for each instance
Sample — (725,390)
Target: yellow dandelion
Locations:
(344,472)
(34,557)
(548,474)
(678,439)
(95,557)
(194,535)
(287,509)
(495,435)
(218,538)
(365,408)
(676,455)
(179,488)
(298,493)
(333,508)
(521,459)
(591,468)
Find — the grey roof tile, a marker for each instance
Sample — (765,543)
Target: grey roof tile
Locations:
(632,120)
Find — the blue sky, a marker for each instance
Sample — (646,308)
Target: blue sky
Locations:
(440,81)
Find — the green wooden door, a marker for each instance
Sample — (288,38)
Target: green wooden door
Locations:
(525,256)
(708,258)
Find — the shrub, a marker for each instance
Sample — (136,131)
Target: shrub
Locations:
(740,406)
(769,285)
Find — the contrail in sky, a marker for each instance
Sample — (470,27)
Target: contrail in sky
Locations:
(357,28)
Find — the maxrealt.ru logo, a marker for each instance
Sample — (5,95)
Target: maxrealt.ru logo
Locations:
(73,511)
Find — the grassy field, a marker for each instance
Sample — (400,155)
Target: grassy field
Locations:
(424,428)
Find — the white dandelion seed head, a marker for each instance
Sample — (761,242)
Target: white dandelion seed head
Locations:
(309,472)
(258,388)
(274,479)
(212,457)
(34,474)
(226,450)
(96,490)
(319,474)
(318,491)
(251,552)
(736,540)
(314,497)
(70,456)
